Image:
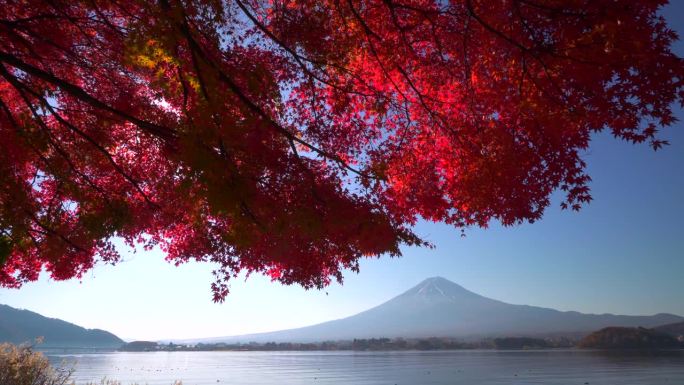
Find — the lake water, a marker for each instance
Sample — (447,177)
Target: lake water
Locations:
(547,367)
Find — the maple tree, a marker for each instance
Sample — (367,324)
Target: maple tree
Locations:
(292,138)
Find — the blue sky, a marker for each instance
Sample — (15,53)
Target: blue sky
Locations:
(623,253)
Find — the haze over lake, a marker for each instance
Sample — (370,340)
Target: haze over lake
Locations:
(548,367)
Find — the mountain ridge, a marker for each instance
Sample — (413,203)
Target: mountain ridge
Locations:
(21,325)
(437,307)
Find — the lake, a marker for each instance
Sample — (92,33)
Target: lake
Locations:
(467,367)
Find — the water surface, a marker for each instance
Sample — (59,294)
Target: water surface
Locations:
(486,367)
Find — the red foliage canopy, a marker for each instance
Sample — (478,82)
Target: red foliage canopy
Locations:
(294,137)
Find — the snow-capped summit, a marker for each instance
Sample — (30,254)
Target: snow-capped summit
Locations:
(437,307)
(440,287)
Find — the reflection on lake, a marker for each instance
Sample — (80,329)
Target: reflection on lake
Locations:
(486,367)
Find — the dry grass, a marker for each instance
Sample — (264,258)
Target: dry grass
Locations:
(20,365)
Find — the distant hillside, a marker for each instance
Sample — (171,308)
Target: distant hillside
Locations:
(676,330)
(139,346)
(438,307)
(520,343)
(18,326)
(628,338)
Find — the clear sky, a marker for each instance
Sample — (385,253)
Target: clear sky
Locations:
(624,253)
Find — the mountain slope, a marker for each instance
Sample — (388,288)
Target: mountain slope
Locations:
(676,329)
(441,308)
(628,338)
(19,326)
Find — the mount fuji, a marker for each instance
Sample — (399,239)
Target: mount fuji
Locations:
(438,307)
